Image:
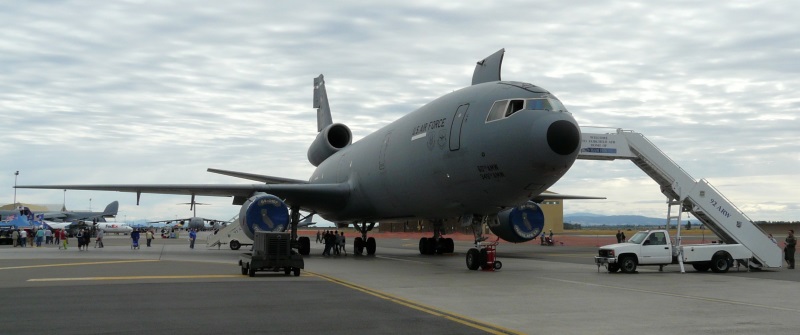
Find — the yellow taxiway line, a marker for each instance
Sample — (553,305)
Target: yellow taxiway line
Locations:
(492,329)
(75,264)
(134,278)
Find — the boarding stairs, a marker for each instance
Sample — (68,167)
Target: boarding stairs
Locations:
(223,236)
(699,198)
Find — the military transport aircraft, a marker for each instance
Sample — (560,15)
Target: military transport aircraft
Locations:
(484,154)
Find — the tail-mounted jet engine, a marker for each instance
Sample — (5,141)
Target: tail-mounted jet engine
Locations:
(264,212)
(331,139)
(518,224)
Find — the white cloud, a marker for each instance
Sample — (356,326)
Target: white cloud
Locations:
(156,92)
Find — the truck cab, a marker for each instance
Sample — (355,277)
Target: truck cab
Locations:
(650,247)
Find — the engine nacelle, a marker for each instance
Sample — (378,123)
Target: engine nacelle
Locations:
(264,212)
(518,224)
(330,140)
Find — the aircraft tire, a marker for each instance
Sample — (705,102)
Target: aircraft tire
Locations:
(304,247)
(451,246)
(423,245)
(358,246)
(433,246)
(473,259)
(371,246)
(235,245)
(287,270)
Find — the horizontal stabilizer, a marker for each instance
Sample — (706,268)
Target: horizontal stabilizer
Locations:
(257,177)
(556,196)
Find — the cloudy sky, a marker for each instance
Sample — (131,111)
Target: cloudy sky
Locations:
(158,91)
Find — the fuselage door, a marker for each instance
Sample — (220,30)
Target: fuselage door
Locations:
(455,127)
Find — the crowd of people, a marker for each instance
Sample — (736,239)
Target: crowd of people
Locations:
(334,242)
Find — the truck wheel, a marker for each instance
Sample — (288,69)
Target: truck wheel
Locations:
(701,267)
(627,264)
(251,271)
(613,268)
(235,245)
(296,272)
(720,263)
(244,270)
(287,270)
(498,265)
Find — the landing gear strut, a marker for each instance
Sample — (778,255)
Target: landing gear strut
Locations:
(483,255)
(303,243)
(436,244)
(363,242)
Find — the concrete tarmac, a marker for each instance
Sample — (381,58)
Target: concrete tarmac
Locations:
(170,288)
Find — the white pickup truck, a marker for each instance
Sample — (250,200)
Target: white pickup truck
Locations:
(654,247)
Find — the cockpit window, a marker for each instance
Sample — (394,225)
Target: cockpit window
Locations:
(514,106)
(498,111)
(549,104)
(504,108)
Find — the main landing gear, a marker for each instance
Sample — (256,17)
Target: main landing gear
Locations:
(361,243)
(302,243)
(483,256)
(436,244)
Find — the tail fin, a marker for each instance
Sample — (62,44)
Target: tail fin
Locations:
(307,221)
(111,209)
(321,104)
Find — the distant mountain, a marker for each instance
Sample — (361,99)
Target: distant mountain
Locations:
(591,219)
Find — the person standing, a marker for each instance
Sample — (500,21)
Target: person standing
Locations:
(342,243)
(62,235)
(619,236)
(98,243)
(48,236)
(79,237)
(788,250)
(149,236)
(39,237)
(318,237)
(15,237)
(23,237)
(192,237)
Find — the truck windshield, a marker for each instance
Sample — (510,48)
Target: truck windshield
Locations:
(638,237)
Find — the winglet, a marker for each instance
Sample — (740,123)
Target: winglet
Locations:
(488,69)
(321,104)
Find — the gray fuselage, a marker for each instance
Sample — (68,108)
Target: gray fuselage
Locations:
(445,159)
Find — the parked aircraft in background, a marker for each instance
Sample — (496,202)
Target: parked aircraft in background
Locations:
(484,154)
(107,227)
(69,216)
(193,223)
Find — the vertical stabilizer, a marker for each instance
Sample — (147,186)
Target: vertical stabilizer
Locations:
(321,104)
(488,69)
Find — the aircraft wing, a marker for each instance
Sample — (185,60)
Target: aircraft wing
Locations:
(311,197)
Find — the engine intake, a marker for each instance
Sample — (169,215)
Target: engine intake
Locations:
(330,140)
(264,212)
(519,224)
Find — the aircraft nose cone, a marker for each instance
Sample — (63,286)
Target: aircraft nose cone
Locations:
(563,137)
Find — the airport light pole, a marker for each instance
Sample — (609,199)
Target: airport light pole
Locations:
(15,187)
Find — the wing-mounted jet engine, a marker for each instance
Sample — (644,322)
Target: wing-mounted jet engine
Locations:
(518,224)
(264,212)
(332,137)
